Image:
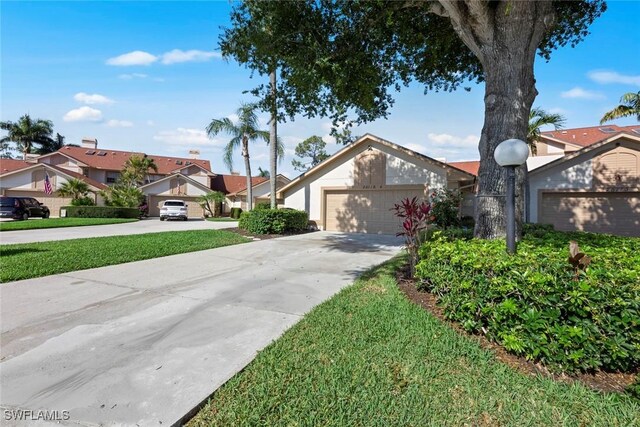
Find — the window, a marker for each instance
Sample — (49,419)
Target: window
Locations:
(112,177)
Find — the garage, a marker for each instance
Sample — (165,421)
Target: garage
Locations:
(365,210)
(612,212)
(193,208)
(52,202)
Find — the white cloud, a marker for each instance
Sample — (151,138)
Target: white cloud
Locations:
(177,56)
(119,124)
(579,93)
(83,114)
(91,99)
(132,76)
(452,141)
(416,147)
(137,57)
(151,123)
(291,141)
(607,77)
(187,137)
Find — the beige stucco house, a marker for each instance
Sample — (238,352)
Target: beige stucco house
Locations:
(355,189)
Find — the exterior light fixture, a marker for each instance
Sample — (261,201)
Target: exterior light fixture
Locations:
(510,154)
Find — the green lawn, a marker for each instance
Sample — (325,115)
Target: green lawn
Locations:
(369,357)
(222,219)
(25,261)
(33,224)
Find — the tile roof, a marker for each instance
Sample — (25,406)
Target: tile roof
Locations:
(584,137)
(471,166)
(233,183)
(10,165)
(114,159)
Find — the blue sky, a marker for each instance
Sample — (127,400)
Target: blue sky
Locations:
(147,76)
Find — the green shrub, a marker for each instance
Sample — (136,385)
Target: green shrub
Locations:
(235,213)
(532,304)
(83,201)
(536,230)
(262,205)
(100,212)
(445,208)
(274,221)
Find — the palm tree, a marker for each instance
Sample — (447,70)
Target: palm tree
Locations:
(537,119)
(136,169)
(263,173)
(74,188)
(51,145)
(629,106)
(214,198)
(242,133)
(26,132)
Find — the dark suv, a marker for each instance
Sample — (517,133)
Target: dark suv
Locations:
(22,208)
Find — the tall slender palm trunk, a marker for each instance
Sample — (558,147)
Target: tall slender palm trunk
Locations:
(247,166)
(273,141)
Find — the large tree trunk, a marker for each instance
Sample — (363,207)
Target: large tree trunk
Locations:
(504,36)
(247,167)
(273,141)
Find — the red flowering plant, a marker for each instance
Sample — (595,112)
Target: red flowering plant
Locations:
(415,218)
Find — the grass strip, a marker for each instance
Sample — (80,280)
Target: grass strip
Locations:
(370,357)
(35,224)
(29,260)
(222,219)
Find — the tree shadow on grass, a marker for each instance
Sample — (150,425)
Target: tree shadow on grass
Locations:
(17,251)
(356,242)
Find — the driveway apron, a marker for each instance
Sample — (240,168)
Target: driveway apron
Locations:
(146,342)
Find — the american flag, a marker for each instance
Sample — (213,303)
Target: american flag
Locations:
(47,184)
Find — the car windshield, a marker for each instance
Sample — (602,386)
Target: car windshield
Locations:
(6,202)
(174,203)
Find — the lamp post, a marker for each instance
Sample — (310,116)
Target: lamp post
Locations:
(511,154)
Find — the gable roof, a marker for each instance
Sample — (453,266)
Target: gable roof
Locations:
(115,159)
(611,140)
(229,184)
(361,141)
(9,165)
(279,179)
(176,175)
(584,137)
(93,184)
(470,166)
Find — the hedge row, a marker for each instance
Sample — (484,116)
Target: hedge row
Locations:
(274,221)
(99,212)
(534,303)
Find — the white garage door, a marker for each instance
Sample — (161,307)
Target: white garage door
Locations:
(612,213)
(49,200)
(194,210)
(365,211)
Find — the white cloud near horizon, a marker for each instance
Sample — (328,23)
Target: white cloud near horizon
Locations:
(137,57)
(119,124)
(608,77)
(83,114)
(177,56)
(186,137)
(92,99)
(132,76)
(453,141)
(580,93)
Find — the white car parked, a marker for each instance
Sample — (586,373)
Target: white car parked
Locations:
(173,209)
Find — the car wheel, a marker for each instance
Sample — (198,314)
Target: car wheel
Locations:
(25,216)
(45,215)
(161,219)
(185,219)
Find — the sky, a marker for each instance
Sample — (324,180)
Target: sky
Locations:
(148,76)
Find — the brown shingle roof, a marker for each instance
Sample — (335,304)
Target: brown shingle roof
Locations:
(584,137)
(471,166)
(10,165)
(114,159)
(233,183)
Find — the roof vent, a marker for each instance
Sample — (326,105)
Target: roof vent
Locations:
(178,162)
(102,153)
(564,132)
(607,130)
(90,152)
(187,162)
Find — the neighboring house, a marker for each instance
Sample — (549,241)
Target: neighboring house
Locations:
(175,187)
(230,185)
(595,188)
(103,166)
(28,181)
(261,192)
(355,189)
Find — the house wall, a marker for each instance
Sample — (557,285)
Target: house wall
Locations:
(98,174)
(163,188)
(401,169)
(61,161)
(197,174)
(23,180)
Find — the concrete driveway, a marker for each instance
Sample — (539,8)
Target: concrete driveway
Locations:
(144,343)
(149,225)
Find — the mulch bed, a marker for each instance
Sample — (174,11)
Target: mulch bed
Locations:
(602,381)
(263,236)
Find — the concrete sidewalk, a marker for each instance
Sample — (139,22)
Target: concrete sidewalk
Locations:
(148,225)
(144,343)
